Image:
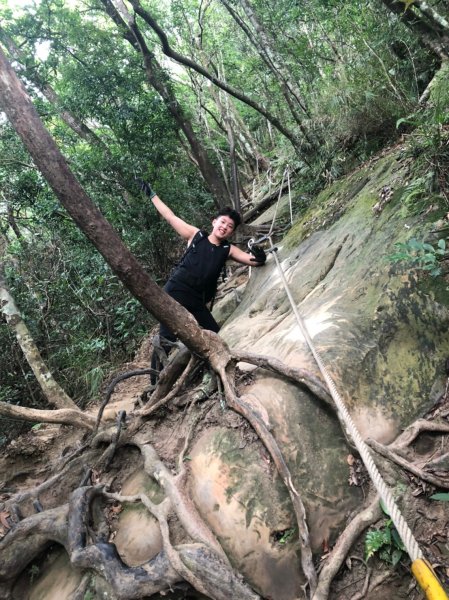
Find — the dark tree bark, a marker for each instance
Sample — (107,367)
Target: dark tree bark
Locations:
(431,28)
(158,79)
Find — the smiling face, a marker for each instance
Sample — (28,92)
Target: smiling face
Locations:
(223,227)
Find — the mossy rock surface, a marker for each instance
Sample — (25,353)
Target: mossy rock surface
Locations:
(380,328)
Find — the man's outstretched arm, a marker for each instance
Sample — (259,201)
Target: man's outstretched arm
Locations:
(255,259)
(185,230)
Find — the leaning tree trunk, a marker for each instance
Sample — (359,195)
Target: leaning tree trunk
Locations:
(19,109)
(55,395)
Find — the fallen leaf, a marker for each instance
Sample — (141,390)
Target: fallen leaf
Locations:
(4,519)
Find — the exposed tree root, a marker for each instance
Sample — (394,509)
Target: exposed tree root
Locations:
(156,401)
(410,434)
(271,445)
(301,376)
(177,363)
(362,594)
(66,525)
(161,511)
(174,489)
(364,519)
(111,387)
(113,447)
(34,493)
(408,466)
(63,416)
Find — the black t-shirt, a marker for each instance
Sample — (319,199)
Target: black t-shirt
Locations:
(200,267)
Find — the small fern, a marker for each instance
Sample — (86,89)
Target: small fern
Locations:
(385,543)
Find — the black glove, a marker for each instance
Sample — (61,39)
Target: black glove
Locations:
(145,188)
(259,255)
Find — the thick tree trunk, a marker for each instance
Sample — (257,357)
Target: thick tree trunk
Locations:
(24,118)
(55,395)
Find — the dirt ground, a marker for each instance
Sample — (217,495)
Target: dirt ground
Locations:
(44,451)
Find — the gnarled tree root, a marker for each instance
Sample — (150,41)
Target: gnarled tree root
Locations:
(63,416)
(408,466)
(302,376)
(271,445)
(364,519)
(411,433)
(66,525)
(111,387)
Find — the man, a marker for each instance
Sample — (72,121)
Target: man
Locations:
(194,281)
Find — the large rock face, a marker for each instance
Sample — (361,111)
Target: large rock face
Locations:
(381,330)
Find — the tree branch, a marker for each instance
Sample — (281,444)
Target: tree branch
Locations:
(187,62)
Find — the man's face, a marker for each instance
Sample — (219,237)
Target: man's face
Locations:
(223,227)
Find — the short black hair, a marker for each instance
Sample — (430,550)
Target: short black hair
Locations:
(228,211)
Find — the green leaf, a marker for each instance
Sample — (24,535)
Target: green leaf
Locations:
(397,540)
(384,507)
(396,556)
(374,541)
(442,496)
(442,244)
(413,243)
(403,120)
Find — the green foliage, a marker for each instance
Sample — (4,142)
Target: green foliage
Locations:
(384,543)
(421,255)
(441,496)
(287,536)
(418,194)
(33,572)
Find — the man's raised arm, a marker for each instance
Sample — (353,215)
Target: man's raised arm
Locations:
(185,230)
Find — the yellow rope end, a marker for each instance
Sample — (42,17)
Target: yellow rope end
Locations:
(428,581)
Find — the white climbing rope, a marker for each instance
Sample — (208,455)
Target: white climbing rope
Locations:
(289,195)
(407,537)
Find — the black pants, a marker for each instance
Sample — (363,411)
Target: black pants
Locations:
(196,307)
